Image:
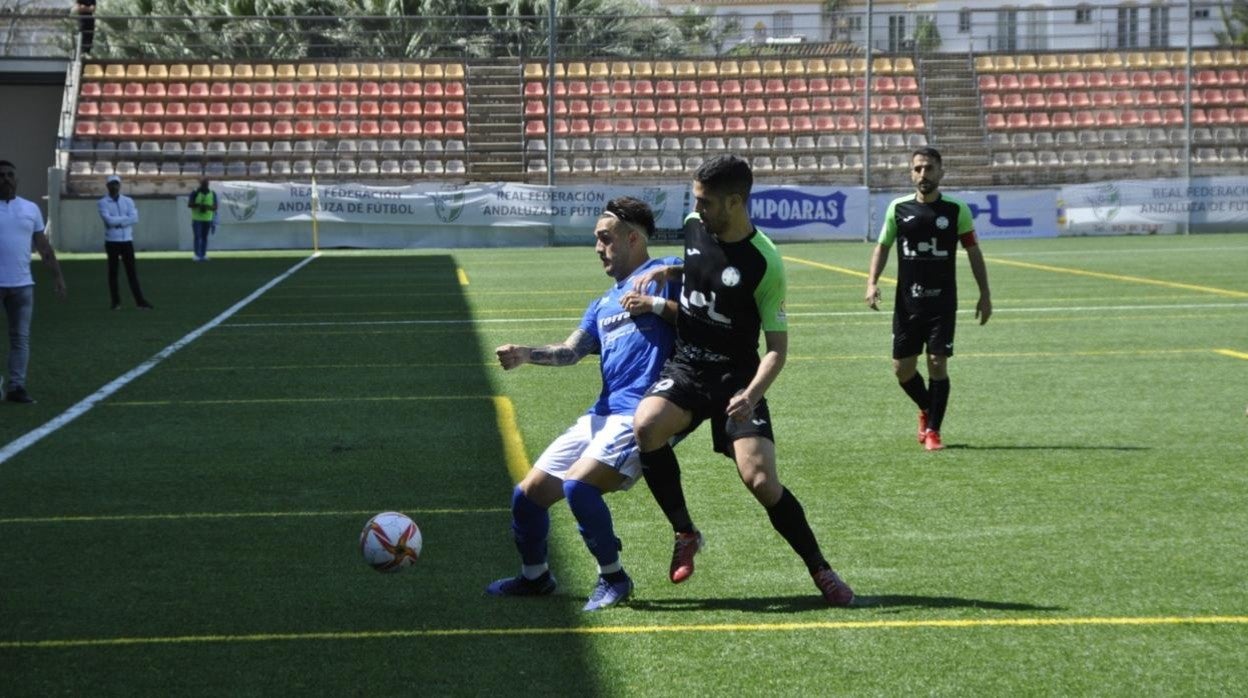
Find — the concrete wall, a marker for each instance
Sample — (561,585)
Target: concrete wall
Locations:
(28,125)
(163,225)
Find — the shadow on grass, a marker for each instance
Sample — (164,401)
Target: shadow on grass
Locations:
(812,602)
(1054,447)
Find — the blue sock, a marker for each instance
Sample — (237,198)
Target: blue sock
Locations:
(594,519)
(530,524)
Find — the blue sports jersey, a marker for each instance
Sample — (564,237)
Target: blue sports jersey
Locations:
(633,348)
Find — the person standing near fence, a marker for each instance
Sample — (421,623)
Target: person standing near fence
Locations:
(928,227)
(21,229)
(120,215)
(203,205)
(85,9)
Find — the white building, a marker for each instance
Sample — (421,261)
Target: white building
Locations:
(966,25)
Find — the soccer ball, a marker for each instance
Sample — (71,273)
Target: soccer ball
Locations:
(390,541)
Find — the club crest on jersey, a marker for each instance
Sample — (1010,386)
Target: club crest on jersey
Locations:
(942,222)
(731,276)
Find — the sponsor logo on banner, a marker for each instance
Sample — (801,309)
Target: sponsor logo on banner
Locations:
(241,201)
(993,209)
(1106,201)
(448,203)
(657,200)
(790,208)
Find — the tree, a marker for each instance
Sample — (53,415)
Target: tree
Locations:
(926,35)
(1236,21)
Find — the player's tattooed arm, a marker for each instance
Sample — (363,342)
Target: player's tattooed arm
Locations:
(573,349)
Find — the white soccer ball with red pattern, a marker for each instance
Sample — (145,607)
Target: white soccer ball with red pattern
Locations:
(390,542)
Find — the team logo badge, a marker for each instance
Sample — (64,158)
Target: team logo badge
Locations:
(730,277)
(662,385)
(240,200)
(942,222)
(448,203)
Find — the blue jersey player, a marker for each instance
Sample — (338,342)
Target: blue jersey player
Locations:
(633,331)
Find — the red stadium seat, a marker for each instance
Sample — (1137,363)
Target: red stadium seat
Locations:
(845,123)
(913,123)
(1075,81)
(845,104)
(1038,120)
(755,106)
(326,108)
(647,126)
(712,106)
(261,129)
(780,124)
(712,125)
(1062,119)
(819,86)
(413,127)
(665,88)
(237,110)
(349,90)
(1056,100)
(1053,81)
(774,86)
(1034,100)
(1030,81)
(910,103)
(799,105)
(730,87)
(708,88)
(326,128)
(368,127)
(1097,81)
(599,88)
(1173,117)
(689,107)
(348,107)
(687,88)
(907,83)
(1016,120)
(669,126)
(1080,100)
(534,107)
(453,90)
(579,127)
(803,124)
(987,83)
(622,88)
(412,90)
(433,89)
(645,107)
(752,86)
(454,127)
(734,124)
(667,107)
(240,129)
(842,86)
(994,121)
(1009,81)
(885,84)
(1130,117)
(643,88)
(603,127)
(733,106)
(625,126)
(174,129)
(412,109)
(85,129)
(433,108)
(821,105)
(391,127)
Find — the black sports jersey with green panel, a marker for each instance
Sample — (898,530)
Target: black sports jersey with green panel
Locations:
(731,292)
(927,243)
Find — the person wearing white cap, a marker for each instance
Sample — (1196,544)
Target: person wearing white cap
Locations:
(120,214)
(21,228)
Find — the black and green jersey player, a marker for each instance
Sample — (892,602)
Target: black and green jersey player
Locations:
(927,228)
(733,288)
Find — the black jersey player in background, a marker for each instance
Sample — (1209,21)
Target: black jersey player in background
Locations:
(927,228)
(733,289)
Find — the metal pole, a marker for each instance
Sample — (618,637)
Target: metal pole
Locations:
(866,123)
(1187,118)
(550,94)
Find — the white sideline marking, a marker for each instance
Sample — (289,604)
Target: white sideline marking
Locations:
(837,313)
(30,438)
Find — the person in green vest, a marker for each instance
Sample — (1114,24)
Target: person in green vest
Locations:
(203,205)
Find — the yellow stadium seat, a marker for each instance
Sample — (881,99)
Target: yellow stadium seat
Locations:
(412,71)
(179,71)
(1048,62)
(221,71)
(533,71)
(286,71)
(433,71)
(882,65)
(858,65)
(1114,60)
(1070,61)
(903,66)
(1202,59)
(1004,64)
(838,66)
(983,64)
(92,71)
(391,71)
(599,70)
(1223,58)
(263,71)
(751,69)
(577,70)
(708,69)
(729,69)
(157,71)
(243,71)
(327,71)
(136,71)
(348,71)
(664,69)
(199,71)
(773,69)
(1178,59)
(561,71)
(1092,61)
(1027,62)
(816,66)
(370,71)
(1161,59)
(794,68)
(686,69)
(643,69)
(114,72)
(453,71)
(1135,59)
(620,69)
(305,71)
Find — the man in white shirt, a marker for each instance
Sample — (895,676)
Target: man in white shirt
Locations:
(21,228)
(120,215)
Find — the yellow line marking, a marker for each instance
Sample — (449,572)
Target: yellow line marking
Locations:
(513,444)
(462,276)
(829,267)
(295,400)
(1119,277)
(1233,354)
(634,630)
(234,515)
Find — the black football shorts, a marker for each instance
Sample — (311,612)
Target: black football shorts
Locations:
(912,332)
(705,391)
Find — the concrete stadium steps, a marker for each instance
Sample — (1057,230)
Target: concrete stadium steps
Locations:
(952,105)
(495,122)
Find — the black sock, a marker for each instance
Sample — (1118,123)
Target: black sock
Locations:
(940,400)
(662,473)
(789,519)
(917,392)
(616,576)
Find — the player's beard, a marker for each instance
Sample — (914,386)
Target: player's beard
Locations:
(926,186)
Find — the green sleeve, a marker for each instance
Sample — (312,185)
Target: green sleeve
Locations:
(769,294)
(889,232)
(966,222)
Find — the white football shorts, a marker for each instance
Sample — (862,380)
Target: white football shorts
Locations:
(607,439)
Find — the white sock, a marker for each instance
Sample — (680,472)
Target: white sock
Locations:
(534,571)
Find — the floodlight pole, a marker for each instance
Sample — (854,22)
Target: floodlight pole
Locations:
(866,122)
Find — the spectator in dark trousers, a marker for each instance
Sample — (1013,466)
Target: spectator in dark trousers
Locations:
(85,9)
(119,215)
